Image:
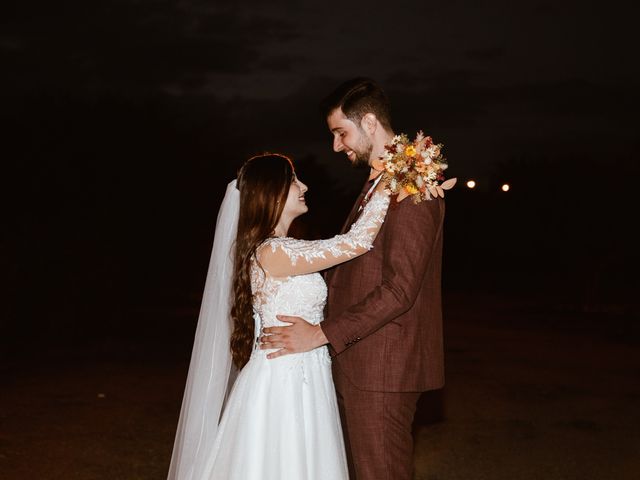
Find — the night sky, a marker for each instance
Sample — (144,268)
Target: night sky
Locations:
(123,120)
(493,79)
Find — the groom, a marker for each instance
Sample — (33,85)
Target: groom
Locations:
(383,321)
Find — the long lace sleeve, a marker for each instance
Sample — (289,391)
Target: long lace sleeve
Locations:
(283,256)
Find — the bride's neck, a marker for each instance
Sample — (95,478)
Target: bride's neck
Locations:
(282,228)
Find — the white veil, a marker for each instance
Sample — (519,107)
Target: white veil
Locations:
(210,371)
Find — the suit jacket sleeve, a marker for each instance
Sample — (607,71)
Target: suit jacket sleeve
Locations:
(409,238)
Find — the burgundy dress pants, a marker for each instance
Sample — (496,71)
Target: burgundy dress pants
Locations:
(377,430)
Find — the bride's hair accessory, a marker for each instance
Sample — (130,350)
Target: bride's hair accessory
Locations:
(414,168)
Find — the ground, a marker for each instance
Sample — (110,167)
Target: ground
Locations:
(533,392)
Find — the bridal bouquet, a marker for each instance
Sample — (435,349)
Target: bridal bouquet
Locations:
(414,168)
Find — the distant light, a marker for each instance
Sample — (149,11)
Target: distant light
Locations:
(505,187)
(471,184)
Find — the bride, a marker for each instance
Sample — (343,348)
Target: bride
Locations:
(279,420)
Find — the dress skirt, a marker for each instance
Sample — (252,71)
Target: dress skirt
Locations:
(281,422)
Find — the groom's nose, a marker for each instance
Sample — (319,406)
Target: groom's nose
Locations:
(337,144)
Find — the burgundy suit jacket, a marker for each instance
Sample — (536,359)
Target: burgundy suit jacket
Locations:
(384,315)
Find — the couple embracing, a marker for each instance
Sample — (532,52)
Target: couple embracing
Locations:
(298,377)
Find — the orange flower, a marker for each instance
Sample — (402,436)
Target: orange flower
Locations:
(411,189)
(410,151)
(421,167)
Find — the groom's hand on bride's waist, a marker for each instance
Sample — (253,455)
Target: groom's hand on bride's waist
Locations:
(300,336)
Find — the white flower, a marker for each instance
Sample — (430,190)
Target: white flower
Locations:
(432,151)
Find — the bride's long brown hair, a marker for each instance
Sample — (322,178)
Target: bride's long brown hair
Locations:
(264,183)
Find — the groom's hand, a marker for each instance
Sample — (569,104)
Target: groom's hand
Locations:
(300,336)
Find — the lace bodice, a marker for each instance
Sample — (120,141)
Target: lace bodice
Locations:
(284,278)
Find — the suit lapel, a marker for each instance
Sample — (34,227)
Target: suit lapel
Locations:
(354,211)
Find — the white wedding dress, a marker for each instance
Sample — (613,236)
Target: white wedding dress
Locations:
(281,420)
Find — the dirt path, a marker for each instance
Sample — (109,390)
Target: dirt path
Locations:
(535,396)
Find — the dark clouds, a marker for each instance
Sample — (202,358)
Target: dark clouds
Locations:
(133,45)
(267,50)
(495,74)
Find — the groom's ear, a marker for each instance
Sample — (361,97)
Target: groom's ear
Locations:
(369,123)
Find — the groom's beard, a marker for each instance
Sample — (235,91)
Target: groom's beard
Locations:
(363,154)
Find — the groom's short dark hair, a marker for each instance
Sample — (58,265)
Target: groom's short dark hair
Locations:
(356,98)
